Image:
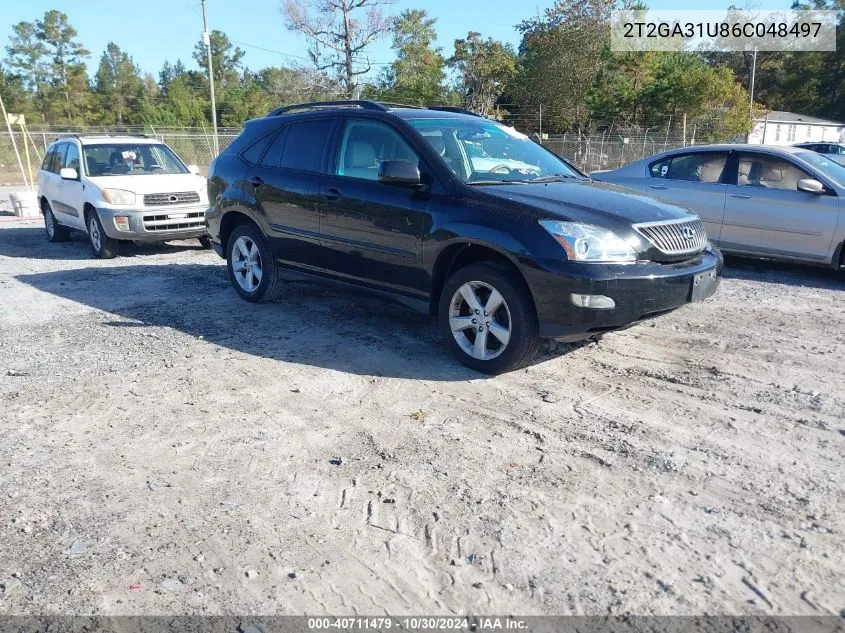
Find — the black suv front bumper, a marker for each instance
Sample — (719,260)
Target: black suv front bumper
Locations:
(640,290)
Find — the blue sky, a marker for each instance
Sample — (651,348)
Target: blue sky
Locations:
(155,30)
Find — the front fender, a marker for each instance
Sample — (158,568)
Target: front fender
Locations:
(460,233)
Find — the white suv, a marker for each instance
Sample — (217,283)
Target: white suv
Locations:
(120,188)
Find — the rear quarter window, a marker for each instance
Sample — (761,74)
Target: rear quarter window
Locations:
(252,154)
(273,155)
(252,132)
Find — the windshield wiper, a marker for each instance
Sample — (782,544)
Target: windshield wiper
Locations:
(497,182)
(555,178)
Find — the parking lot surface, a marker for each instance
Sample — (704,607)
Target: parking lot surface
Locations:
(169,448)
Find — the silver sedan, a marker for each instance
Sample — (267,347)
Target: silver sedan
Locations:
(773,202)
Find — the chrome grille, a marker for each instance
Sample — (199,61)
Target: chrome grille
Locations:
(177,197)
(675,237)
(175,221)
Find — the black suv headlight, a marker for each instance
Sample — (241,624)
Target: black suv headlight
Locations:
(588,243)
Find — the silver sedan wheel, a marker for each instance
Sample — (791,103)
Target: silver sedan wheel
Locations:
(94,233)
(49,223)
(480,320)
(246,263)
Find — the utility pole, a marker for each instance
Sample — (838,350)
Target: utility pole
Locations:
(541,123)
(206,38)
(751,88)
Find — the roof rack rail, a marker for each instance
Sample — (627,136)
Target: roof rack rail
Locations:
(457,110)
(351,103)
(103,135)
(399,105)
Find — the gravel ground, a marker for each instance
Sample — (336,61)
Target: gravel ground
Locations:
(168,448)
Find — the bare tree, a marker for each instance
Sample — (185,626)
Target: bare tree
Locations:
(339,32)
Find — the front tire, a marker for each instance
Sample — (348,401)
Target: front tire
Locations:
(252,267)
(55,231)
(487,318)
(205,242)
(103,246)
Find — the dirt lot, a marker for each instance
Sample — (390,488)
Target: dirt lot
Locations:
(168,448)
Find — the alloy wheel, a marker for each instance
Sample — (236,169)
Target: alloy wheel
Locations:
(94,232)
(480,320)
(49,223)
(246,263)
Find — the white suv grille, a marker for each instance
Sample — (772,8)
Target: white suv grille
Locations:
(177,197)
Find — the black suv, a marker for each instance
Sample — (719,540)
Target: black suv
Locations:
(455,215)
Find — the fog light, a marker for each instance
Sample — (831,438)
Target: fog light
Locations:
(121,223)
(597,302)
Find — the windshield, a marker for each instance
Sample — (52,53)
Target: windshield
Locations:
(482,151)
(825,164)
(134,159)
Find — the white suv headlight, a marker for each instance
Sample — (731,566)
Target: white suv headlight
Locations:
(588,243)
(118,196)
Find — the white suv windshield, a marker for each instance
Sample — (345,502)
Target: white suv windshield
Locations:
(482,151)
(135,159)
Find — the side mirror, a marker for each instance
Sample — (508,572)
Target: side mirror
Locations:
(193,169)
(399,172)
(809,185)
(68,173)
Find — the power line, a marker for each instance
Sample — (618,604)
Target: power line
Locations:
(307,59)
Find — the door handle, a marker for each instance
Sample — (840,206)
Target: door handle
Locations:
(256,181)
(331,194)
(657,186)
(741,196)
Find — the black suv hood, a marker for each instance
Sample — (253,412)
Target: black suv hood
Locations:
(589,201)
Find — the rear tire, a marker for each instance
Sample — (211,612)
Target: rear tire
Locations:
(252,266)
(55,231)
(490,301)
(205,241)
(103,246)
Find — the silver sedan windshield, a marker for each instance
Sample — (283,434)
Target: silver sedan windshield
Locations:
(826,165)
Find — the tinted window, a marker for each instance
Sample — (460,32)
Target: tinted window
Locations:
(48,159)
(72,157)
(253,130)
(697,167)
(274,153)
(760,170)
(366,144)
(58,158)
(252,154)
(305,145)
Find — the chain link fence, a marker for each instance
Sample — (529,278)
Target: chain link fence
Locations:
(594,152)
(589,152)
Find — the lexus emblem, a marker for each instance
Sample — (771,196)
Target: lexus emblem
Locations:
(688,233)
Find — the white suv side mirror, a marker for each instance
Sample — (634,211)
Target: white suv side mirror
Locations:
(68,173)
(193,169)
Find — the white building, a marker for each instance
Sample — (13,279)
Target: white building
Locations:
(788,128)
